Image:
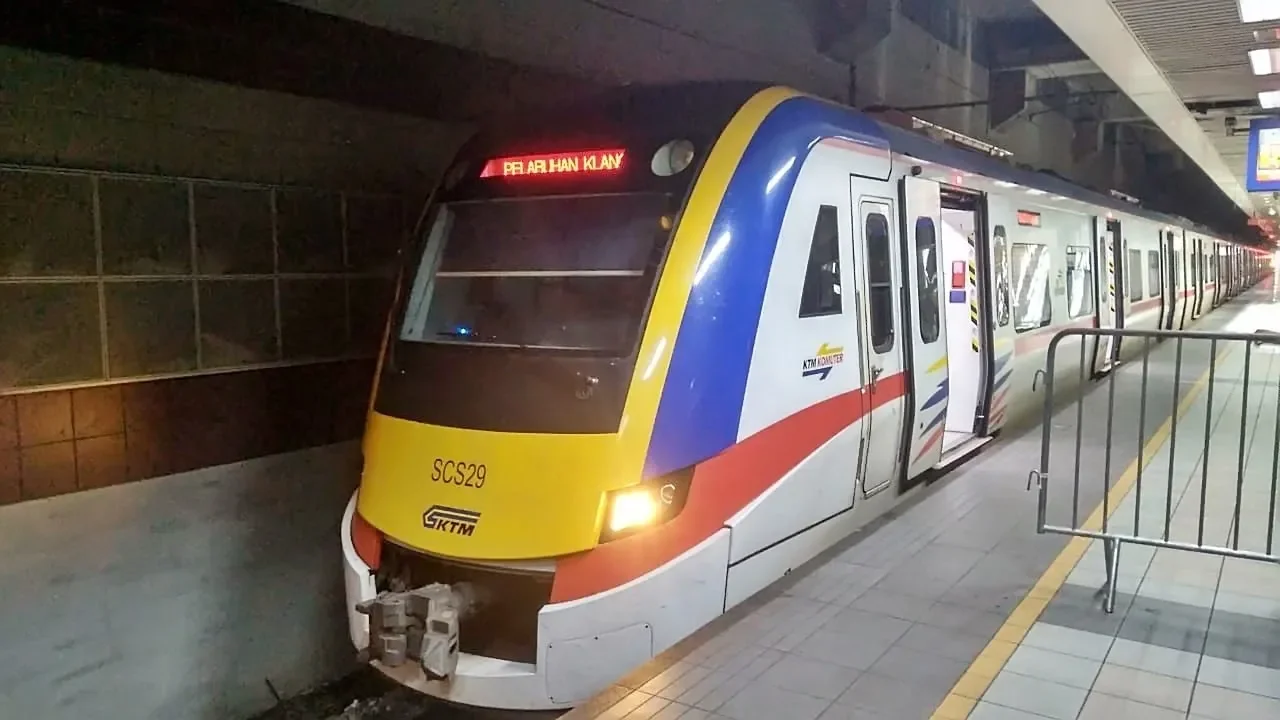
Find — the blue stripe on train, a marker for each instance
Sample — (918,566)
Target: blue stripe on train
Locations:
(701,406)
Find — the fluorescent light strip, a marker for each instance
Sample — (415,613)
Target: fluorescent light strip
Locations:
(1252,11)
(1269,99)
(1265,61)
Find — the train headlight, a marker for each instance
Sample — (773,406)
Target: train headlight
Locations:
(646,505)
(633,508)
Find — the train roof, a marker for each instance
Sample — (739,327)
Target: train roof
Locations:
(906,142)
(709,105)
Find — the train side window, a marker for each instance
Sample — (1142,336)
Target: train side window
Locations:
(821,293)
(1079,281)
(927,269)
(1177,270)
(1001,265)
(1032,301)
(1135,275)
(1153,273)
(879,283)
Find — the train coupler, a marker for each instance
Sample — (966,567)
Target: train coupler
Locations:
(419,625)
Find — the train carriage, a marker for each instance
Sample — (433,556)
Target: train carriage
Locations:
(651,353)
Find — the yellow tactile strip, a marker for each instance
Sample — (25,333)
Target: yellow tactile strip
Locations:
(975,681)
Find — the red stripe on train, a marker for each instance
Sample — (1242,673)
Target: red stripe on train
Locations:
(721,487)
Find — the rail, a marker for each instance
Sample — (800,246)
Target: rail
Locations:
(1170,506)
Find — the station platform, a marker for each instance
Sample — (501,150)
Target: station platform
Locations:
(956,607)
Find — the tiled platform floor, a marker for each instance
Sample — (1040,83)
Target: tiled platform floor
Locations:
(1192,635)
(955,605)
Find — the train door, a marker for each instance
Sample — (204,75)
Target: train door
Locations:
(1215,275)
(1104,298)
(1180,293)
(921,203)
(1155,278)
(1168,285)
(1197,281)
(1112,314)
(885,391)
(966,312)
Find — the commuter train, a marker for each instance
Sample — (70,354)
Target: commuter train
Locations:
(650,353)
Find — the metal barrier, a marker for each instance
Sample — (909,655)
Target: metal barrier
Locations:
(1225,367)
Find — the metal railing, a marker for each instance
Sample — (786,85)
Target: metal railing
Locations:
(1172,508)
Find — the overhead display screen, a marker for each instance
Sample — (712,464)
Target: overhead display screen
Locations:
(1263,171)
(582,162)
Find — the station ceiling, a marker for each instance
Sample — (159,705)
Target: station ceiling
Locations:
(1186,64)
(1161,53)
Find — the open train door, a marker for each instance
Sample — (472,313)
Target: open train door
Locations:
(921,202)
(1110,306)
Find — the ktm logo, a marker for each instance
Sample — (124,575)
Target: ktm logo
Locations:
(450,520)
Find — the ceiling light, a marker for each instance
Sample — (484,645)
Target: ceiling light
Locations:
(1259,10)
(1264,61)
(1269,99)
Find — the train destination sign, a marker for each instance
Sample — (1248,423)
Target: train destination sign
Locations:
(584,162)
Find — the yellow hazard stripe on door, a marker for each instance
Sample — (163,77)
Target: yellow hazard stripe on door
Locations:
(1111,280)
(973,295)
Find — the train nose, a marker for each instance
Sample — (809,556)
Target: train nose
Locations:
(475,495)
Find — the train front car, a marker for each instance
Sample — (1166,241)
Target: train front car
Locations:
(518,540)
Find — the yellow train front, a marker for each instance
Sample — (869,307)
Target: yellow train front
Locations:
(553,452)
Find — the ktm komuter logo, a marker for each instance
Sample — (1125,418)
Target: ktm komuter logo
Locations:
(450,520)
(821,363)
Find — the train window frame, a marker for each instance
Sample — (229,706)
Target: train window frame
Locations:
(929,288)
(824,250)
(1001,272)
(1155,279)
(1075,254)
(434,316)
(1133,270)
(880,291)
(1040,251)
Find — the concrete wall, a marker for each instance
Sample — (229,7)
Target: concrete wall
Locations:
(170,544)
(912,68)
(176,598)
(60,111)
(620,40)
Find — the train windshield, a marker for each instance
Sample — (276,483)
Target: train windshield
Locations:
(561,273)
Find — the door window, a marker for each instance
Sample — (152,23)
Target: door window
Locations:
(1153,273)
(927,269)
(880,282)
(1001,246)
(1079,281)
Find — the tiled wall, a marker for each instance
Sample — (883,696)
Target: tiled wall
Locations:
(62,441)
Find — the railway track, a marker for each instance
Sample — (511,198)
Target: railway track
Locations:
(366,695)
